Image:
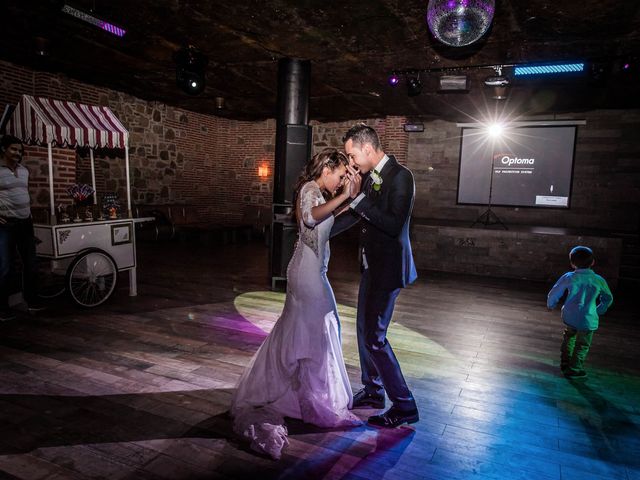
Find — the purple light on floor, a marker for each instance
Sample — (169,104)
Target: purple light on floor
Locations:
(112,29)
(394,80)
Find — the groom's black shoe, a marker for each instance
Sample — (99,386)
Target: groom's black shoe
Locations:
(393,418)
(364,399)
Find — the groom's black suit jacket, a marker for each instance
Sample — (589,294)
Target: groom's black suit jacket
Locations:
(384,232)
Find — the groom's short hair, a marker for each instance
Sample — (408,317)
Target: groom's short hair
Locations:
(362,133)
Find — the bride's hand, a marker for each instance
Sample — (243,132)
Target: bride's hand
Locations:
(346,185)
(355,183)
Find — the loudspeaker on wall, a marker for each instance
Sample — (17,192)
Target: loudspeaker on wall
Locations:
(293,150)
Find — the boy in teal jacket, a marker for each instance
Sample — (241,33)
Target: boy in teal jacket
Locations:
(588,297)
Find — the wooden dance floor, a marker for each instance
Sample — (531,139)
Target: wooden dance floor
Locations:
(140,388)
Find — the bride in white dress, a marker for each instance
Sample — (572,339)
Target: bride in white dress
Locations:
(299,371)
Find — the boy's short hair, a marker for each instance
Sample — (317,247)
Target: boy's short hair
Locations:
(581,257)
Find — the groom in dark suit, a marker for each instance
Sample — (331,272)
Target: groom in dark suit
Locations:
(384,206)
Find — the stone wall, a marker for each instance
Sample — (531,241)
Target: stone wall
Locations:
(531,254)
(390,130)
(177,156)
(606,184)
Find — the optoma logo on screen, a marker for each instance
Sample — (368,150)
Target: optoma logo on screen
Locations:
(505,159)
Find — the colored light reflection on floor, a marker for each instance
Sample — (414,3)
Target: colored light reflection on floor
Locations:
(262,309)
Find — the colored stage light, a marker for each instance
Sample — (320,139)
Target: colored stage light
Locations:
(106,26)
(548,69)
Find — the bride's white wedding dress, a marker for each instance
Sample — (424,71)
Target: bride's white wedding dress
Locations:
(299,371)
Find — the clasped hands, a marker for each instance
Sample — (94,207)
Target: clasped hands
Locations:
(353,181)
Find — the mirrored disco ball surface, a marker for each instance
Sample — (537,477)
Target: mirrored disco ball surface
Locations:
(459,22)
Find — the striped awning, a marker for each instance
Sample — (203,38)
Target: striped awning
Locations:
(43,120)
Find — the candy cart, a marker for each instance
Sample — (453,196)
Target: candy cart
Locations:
(81,255)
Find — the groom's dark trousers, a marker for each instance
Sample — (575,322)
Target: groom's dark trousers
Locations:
(378,363)
(384,216)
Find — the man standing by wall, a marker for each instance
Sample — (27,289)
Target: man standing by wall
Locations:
(16,225)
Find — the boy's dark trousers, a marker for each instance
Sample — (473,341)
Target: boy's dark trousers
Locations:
(574,349)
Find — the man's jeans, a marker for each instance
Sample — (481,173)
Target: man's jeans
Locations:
(17,236)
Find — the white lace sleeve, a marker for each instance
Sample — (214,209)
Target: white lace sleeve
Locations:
(310,196)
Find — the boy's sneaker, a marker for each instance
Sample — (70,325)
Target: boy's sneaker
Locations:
(6,314)
(576,374)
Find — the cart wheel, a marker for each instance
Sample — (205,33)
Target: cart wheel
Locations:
(51,277)
(91,277)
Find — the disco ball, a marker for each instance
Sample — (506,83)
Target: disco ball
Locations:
(459,22)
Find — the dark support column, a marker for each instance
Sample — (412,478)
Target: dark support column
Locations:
(293,149)
(292,120)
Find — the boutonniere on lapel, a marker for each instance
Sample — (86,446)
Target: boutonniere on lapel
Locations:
(376,180)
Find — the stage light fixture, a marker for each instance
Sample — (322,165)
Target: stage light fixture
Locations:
(190,70)
(42,47)
(495,130)
(394,79)
(499,83)
(414,86)
(627,65)
(413,127)
(453,83)
(85,17)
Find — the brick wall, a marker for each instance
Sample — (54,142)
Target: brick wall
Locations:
(176,156)
(64,167)
(392,136)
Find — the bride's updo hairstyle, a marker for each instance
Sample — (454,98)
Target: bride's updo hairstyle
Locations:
(329,157)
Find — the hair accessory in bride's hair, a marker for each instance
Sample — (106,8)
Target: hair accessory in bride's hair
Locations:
(332,159)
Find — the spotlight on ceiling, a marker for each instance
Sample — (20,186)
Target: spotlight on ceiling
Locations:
(495,130)
(414,86)
(628,66)
(190,69)
(42,47)
(499,83)
(394,79)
